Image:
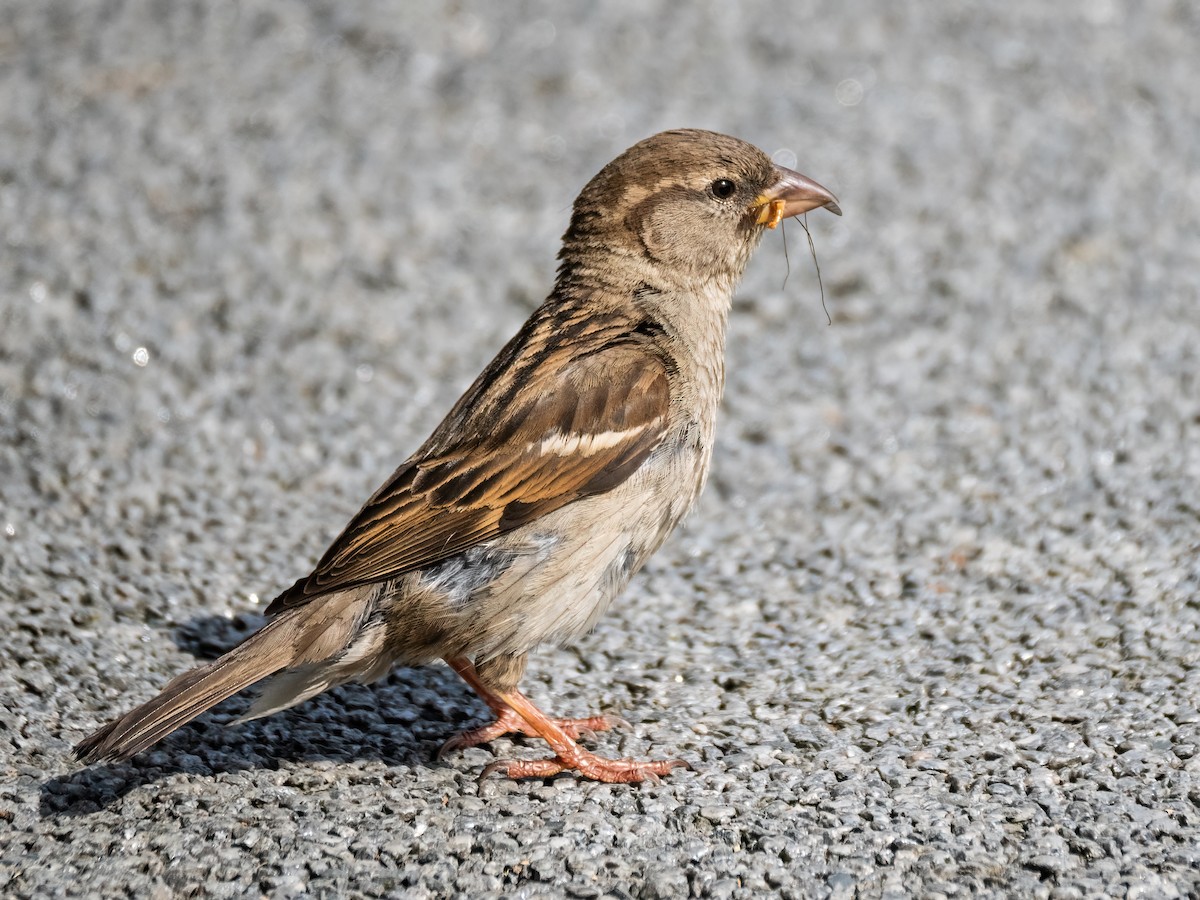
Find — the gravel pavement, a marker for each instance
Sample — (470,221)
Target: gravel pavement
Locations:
(934,629)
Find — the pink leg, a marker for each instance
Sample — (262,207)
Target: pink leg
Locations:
(508,721)
(569,755)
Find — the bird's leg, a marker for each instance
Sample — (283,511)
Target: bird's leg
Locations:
(569,755)
(508,720)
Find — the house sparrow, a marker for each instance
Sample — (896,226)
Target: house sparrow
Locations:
(560,470)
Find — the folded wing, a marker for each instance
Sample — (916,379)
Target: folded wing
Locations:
(579,425)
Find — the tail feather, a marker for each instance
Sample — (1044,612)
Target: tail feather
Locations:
(186,697)
(364,660)
(305,636)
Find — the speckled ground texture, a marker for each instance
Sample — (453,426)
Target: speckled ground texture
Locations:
(934,629)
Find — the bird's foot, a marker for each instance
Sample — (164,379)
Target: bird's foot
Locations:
(516,714)
(509,722)
(597,768)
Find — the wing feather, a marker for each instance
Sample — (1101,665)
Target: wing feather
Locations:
(580,424)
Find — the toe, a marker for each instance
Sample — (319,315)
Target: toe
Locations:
(524,768)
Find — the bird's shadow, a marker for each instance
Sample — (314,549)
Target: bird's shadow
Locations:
(400,720)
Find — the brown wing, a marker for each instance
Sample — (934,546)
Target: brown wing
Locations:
(579,425)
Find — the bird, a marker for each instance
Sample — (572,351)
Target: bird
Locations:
(559,471)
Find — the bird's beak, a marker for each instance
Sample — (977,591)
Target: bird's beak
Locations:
(791,195)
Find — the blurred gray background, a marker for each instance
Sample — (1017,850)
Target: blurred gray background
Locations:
(933,630)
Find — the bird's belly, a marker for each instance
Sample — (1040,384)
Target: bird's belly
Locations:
(551,580)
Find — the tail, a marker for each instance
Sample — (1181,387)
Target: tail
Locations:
(305,636)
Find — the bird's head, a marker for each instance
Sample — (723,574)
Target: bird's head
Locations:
(691,203)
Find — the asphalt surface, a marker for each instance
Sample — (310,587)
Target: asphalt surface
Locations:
(934,629)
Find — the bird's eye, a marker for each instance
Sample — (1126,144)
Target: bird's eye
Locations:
(722,188)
